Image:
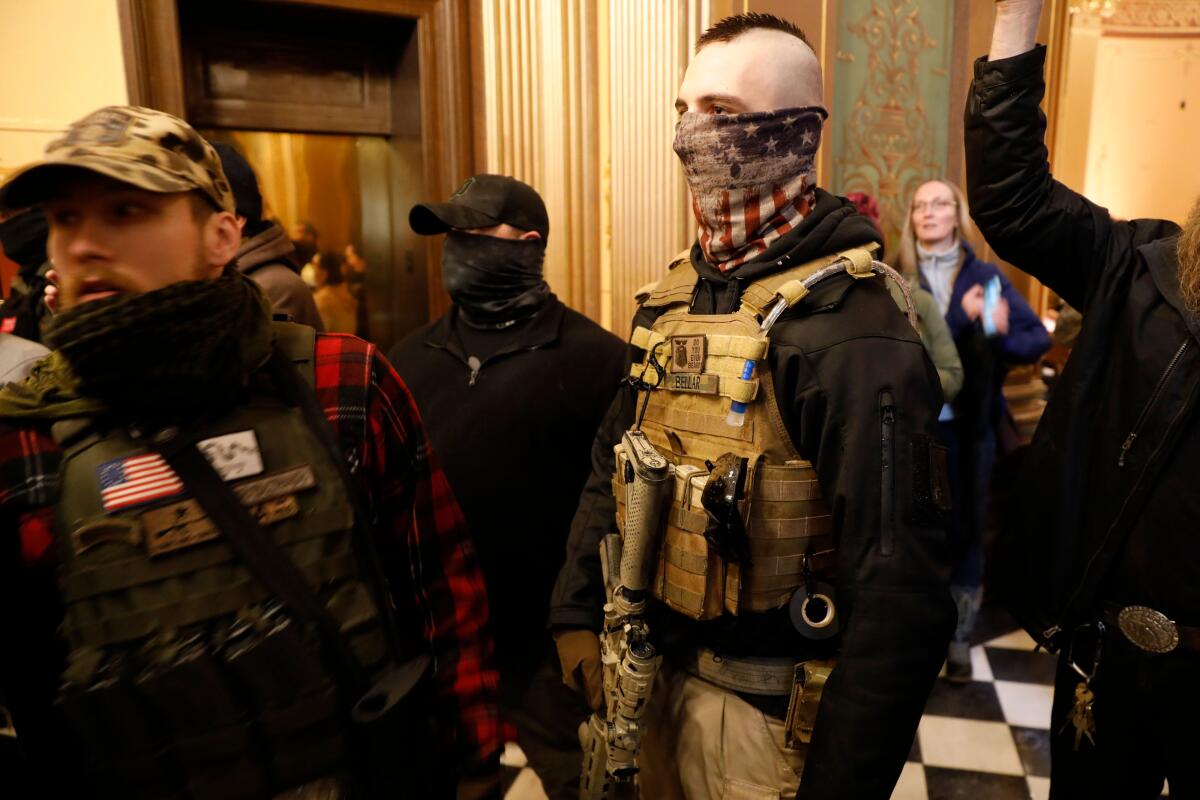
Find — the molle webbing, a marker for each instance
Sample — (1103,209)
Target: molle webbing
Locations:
(109,587)
(703,364)
(116,591)
(787,519)
(186,675)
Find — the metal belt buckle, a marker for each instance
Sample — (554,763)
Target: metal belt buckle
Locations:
(1148,629)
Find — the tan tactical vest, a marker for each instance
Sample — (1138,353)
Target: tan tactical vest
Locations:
(705,359)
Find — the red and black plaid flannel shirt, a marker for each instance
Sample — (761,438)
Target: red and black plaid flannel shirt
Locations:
(377,422)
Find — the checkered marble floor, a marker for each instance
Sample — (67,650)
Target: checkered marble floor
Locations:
(988,739)
(985,740)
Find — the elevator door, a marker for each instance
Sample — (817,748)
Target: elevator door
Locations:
(339,185)
(324,104)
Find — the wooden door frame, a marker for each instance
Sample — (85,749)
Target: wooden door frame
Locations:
(150,39)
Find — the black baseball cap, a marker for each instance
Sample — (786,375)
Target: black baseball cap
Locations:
(242,181)
(481,202)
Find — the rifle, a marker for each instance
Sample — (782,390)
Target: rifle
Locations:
(611,742)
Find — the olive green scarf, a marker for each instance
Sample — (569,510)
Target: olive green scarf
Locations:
(173,354)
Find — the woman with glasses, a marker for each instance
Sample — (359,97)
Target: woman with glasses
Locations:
(993,327)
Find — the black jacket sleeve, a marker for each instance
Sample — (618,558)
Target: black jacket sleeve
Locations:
(578,598)
(1031,220)
(864,412)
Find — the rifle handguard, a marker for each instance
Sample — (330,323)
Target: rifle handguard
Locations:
(647,479)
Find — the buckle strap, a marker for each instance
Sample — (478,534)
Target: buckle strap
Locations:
(1149,630)
(767,677)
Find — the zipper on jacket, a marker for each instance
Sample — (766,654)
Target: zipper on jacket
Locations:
(887,473)
(475,364)
(1158,387)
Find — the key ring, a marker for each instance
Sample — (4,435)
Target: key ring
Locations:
(820,625)
(1087,676)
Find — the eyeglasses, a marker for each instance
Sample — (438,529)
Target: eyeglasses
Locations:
(936,205)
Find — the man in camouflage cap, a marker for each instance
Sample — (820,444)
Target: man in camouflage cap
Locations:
(139,146)
(147,164)
(213,647)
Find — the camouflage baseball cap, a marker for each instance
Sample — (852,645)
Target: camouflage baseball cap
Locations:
(149,149)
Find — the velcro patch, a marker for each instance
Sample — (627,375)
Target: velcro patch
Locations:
(136,480)
(930,480)
(234,455)
(696,384)
(177,526)
(106,529)
(276,510)
(277,484)
(687,353)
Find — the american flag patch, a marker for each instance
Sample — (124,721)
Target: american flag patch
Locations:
(132,481)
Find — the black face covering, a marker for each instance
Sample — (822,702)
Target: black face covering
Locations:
(494,281)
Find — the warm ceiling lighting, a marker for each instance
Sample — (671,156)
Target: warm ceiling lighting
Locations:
(1103,8)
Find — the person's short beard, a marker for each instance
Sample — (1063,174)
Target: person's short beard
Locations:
(1188,254)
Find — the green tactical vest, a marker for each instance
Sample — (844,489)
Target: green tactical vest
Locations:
(140,581)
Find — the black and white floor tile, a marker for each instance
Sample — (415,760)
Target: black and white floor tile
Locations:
(985,740)
(988,739)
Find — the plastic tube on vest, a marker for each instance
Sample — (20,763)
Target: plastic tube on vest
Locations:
(737,409)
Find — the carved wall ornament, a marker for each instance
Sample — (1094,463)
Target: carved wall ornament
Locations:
(1172,15)
(887,147)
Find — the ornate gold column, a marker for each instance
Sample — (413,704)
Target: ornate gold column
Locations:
(541,119)
(648,50)
(578,101)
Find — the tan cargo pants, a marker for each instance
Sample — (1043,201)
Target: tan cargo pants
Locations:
(704,743)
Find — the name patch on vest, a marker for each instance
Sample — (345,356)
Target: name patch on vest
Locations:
(277,484)
(687,353)
(696,384)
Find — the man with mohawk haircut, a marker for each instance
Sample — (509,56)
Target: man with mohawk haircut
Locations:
(796,579)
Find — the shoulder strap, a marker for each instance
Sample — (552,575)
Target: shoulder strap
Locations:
(268,563)
(675,288)
(789,284)
(272,567)
(406,670)
(298,343)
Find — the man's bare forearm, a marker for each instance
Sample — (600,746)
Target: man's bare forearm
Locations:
(1016,27)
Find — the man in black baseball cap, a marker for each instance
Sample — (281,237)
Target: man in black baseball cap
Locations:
(511,385)
(484,201)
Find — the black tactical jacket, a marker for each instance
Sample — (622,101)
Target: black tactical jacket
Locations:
(843,361)
(1108,503)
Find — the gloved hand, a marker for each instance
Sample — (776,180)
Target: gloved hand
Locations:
(579,656)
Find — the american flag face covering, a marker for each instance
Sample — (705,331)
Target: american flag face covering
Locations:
(751,175)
